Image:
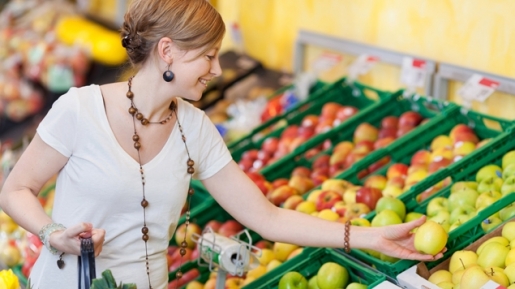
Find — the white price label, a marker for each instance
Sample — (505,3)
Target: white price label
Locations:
(477,88)
(326,61)
(413,72)
(362,65)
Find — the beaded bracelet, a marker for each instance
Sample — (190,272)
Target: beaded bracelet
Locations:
(346,245)
(44,235)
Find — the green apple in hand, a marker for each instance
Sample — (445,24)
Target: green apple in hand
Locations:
(490,184)
(461,260)
(458,186)
(462,213)
(430,238)
(488,171)
(393,204)
(386,217)
(355,285)
(463,197)
(412,216)
(435,205)
(508,158)
(293,280)
(490,223)
(493,255)
(332,275)
(507,212)
(508,186)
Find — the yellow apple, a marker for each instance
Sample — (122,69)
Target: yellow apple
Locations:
(508,231)
(392,191)
(283,250)
(493,255)
(430,238)
(306,207)
(195,285)
(335,185)
(328,214)
(446,285)
(510,272)
(272,265)
(474,278)
(362,222)
(247,281)
(313,196)
(510,257)
(257,272)
(461,260)
(349,197)
(294,253)
(497,274)
(496,239)
(267,255)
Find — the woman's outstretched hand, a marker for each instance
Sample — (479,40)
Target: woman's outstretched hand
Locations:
(68,240)
(398,241)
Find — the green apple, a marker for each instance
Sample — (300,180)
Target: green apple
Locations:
(510,272)
(507,212)
(430,238)
(463,197)
(435,205)
(488,171)
(490,223)
(457,186)
(360,222)
(497,239)
(355,285)
(412,216)
(372,253)
(441,217)
(493,255)
(508,231)
(510,257)
(487,198)
(386,217)
(313,283)
(508,171)
(508,186)
(508,158)
(393,204)
(512,244)
(474,278)
(490,184)
(462,213)
(293,280)
(440,276)
(332,275)
(446,285)
(461,260)
(455,225)
(497,274)
(387,258)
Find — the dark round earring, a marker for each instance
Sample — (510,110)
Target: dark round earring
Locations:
(168,74)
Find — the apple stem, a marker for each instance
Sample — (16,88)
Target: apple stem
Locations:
(462,264)
(492,271)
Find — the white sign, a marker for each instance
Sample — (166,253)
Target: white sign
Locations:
(413,72)
(326,61)
(477,88)
(362,65)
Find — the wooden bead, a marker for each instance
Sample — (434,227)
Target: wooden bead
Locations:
(132,110)
(191,170)
(137,145)
(144,203)
(139,116)
(184,244)
(135,137)
(190,163)
(178,275)
(182,252)
(144,230)
(130,94)
(191,191)
(144,237)
(144,121)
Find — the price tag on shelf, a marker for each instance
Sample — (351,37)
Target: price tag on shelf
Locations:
(477,88)
(362,65)
(326,61)
(413,72)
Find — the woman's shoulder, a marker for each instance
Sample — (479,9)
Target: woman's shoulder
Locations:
(81,95)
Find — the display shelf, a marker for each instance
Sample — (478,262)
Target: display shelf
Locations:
(305,38)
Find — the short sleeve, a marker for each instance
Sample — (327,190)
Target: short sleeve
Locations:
(58,128)
(214,154)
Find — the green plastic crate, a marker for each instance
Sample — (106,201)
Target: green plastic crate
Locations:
(469,231)
(393,105)
(17,271)
(309,262)
(355,94)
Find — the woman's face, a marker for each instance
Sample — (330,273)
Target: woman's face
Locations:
(192,73)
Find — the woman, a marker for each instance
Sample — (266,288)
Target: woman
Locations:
(125,152)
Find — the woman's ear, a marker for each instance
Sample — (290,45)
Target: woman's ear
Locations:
(165,49)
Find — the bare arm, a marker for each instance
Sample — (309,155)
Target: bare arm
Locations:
(18,197)
(239,196)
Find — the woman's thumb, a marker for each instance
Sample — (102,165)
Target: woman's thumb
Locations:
(79,229)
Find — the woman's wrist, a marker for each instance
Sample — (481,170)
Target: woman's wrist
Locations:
(46,232)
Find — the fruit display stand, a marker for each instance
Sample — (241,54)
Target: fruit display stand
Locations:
(418,275)
(464,170)
(309,262)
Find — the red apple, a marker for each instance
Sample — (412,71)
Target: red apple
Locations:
(301,171)
(289,132)
(345,112)
(376,181)
(281,194)
(364,146)
(324,126)
(368,196)
(270,145)
(383,142)
(255,177)
(379,164)
(390,122)
(396,170)
(390,132)
(421,157)
(459,129)
(365,131)
(214,225)
(321,162)
(404,130)
(182,231)
(292,202)
(309,120)
(301,184)
(264,244)
(327,199)
(311,153)
(345,146)
(340,208)
(330,109)
(251,154)
(230,228)
(318,176)
(466,137)
(327,144)
(410,118)
(438,164)
(279,182)
(245,164)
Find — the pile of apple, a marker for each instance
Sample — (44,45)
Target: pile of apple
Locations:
(466,198)
(330,275)
(493,260)
(293,136)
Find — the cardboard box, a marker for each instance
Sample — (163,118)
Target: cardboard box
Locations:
(416,276)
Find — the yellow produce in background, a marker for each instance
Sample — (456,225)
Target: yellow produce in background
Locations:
(8,280)
(103,45)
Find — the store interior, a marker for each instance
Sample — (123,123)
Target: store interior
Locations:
(344,110)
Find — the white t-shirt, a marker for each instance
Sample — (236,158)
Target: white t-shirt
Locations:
(101,184)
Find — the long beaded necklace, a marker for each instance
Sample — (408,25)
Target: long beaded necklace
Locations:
(136,115)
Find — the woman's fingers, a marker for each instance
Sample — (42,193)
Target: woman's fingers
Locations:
(78,229)
(98,237)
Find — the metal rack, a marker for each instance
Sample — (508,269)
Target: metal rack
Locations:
(448,72)
(306,38)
